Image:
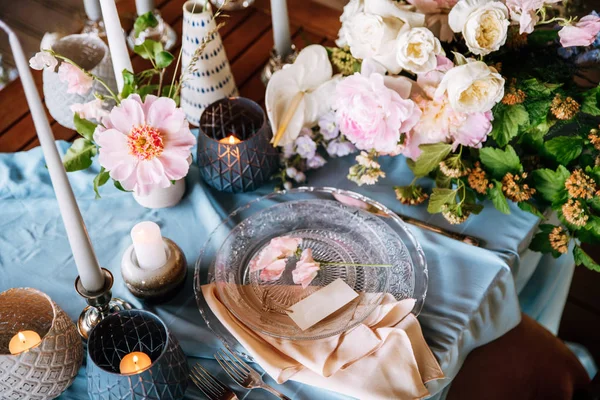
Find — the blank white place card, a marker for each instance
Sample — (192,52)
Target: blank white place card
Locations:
(321,304)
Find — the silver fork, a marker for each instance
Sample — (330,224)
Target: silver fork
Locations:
(242,373)
(209,385)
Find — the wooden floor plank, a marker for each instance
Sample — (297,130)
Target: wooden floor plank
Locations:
(312,17)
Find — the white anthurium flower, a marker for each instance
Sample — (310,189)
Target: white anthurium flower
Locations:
(483,24)
(297,96)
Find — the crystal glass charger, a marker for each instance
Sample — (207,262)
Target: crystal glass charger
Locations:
(339,226)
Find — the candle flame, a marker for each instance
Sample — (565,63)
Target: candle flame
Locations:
(135,359)
(231,139)
(22,337)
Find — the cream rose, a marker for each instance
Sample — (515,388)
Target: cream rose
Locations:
(350,10)
(483,23)
(472,87)
(417,50)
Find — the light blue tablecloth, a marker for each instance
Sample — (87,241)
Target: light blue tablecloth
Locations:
(471,299)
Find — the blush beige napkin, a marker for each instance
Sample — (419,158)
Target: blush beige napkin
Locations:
(386,357)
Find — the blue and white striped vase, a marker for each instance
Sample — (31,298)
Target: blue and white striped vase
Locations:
(211,78)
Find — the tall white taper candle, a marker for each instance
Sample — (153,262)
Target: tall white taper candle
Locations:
(116,40)
(92,9)
(90,273)
(144,6)
(281,27)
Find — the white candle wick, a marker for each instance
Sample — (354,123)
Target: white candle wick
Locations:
(148,245)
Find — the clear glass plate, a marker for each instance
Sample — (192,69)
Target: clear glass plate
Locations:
(340,226)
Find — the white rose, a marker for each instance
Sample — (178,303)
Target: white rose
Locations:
(351,9)
(417,50)
(483,23)
(472,87)
(366,34)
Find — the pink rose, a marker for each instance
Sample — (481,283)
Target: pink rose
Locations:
(525,12)
(306,269)
(473,130)
(583,33)
(436,16)
(371,115)
(78,81)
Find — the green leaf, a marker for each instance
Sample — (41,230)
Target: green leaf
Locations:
(498,199)
(79,155)
(538,111)
(440,197)
(442,181)
(84,127)
(164,59)
(144,22)
(593,225)
(146,90)
(590,102)
(540,241)
(595,203)
(120,187)
(128,84)
(594,172)
(582,258)
(565,148)
(430,158)
(507,120)
(551,184)
(100,180)
(499,161)
(146,50)
(530,208)
(541,37)
(535,88)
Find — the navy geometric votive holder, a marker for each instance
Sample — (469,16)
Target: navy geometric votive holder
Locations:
(234,150)
(141,331)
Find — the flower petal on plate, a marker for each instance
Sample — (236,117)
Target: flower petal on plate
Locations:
(273,271)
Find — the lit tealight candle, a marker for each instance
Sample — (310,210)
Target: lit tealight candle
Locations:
(230,140)
(23,341)
(134,363)
(148,245)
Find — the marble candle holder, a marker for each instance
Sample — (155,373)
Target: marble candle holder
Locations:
(155,284)
(47,369)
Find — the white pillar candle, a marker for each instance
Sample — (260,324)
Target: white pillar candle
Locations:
(148,245)
(116,40)
(144,6)
(90,274)
(281,27)
(92,9)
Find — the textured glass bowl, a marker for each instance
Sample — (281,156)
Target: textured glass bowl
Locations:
(339,226)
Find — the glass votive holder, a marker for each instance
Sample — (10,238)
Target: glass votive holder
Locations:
(234,150)
(132,355)
(40,348)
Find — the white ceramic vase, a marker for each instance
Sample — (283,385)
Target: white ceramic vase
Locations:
(163,197)
(211,79)
(92,54)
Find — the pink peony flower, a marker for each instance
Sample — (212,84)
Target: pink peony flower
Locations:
(583,33)
(371,115)
(306,269)
(436,16)
(90,110)
(272,259)
(429,81)
(78,81)
(145,144)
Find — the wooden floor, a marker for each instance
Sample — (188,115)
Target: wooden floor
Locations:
(32,18)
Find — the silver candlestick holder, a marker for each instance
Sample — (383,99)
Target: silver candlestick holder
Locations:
(100,304)
(277,62)
(162,33)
